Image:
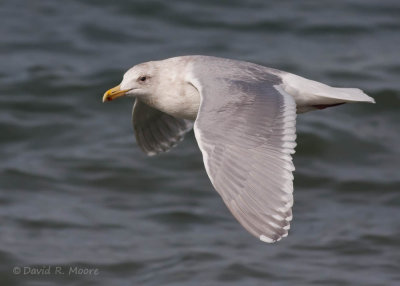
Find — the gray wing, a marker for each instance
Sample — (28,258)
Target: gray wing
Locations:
(246,131)
(156,131)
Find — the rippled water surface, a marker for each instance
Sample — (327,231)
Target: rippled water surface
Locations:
(76,191)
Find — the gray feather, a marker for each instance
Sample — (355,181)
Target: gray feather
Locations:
(246,131)
(156,131)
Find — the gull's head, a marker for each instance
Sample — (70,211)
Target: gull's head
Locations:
(137,82)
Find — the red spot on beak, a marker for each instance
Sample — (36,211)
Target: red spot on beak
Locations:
(109,98)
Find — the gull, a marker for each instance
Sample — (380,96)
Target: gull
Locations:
(244,121)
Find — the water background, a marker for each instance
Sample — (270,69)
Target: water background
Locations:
(76,191)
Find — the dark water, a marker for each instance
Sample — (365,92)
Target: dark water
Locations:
(75,190)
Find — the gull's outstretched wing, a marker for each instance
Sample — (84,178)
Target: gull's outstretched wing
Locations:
(156,131)
(245,128)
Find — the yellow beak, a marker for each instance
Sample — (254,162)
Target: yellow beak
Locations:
(113,93)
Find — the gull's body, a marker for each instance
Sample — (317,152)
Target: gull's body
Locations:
(244,122)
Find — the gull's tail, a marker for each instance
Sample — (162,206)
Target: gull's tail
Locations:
(310,95)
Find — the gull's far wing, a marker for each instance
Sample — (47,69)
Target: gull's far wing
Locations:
(156,131)
(246,131)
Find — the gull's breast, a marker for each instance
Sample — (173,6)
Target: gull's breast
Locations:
(179,100)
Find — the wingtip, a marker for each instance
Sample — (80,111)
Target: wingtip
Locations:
(266,239)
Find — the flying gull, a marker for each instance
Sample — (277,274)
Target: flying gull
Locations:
(244,118)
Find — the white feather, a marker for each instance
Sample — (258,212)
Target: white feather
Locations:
(308,93)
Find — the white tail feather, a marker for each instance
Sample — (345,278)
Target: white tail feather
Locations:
(308,93)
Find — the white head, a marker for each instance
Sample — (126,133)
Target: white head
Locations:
(137,82)
(161,85)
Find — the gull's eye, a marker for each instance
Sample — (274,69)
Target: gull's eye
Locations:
(142,78)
